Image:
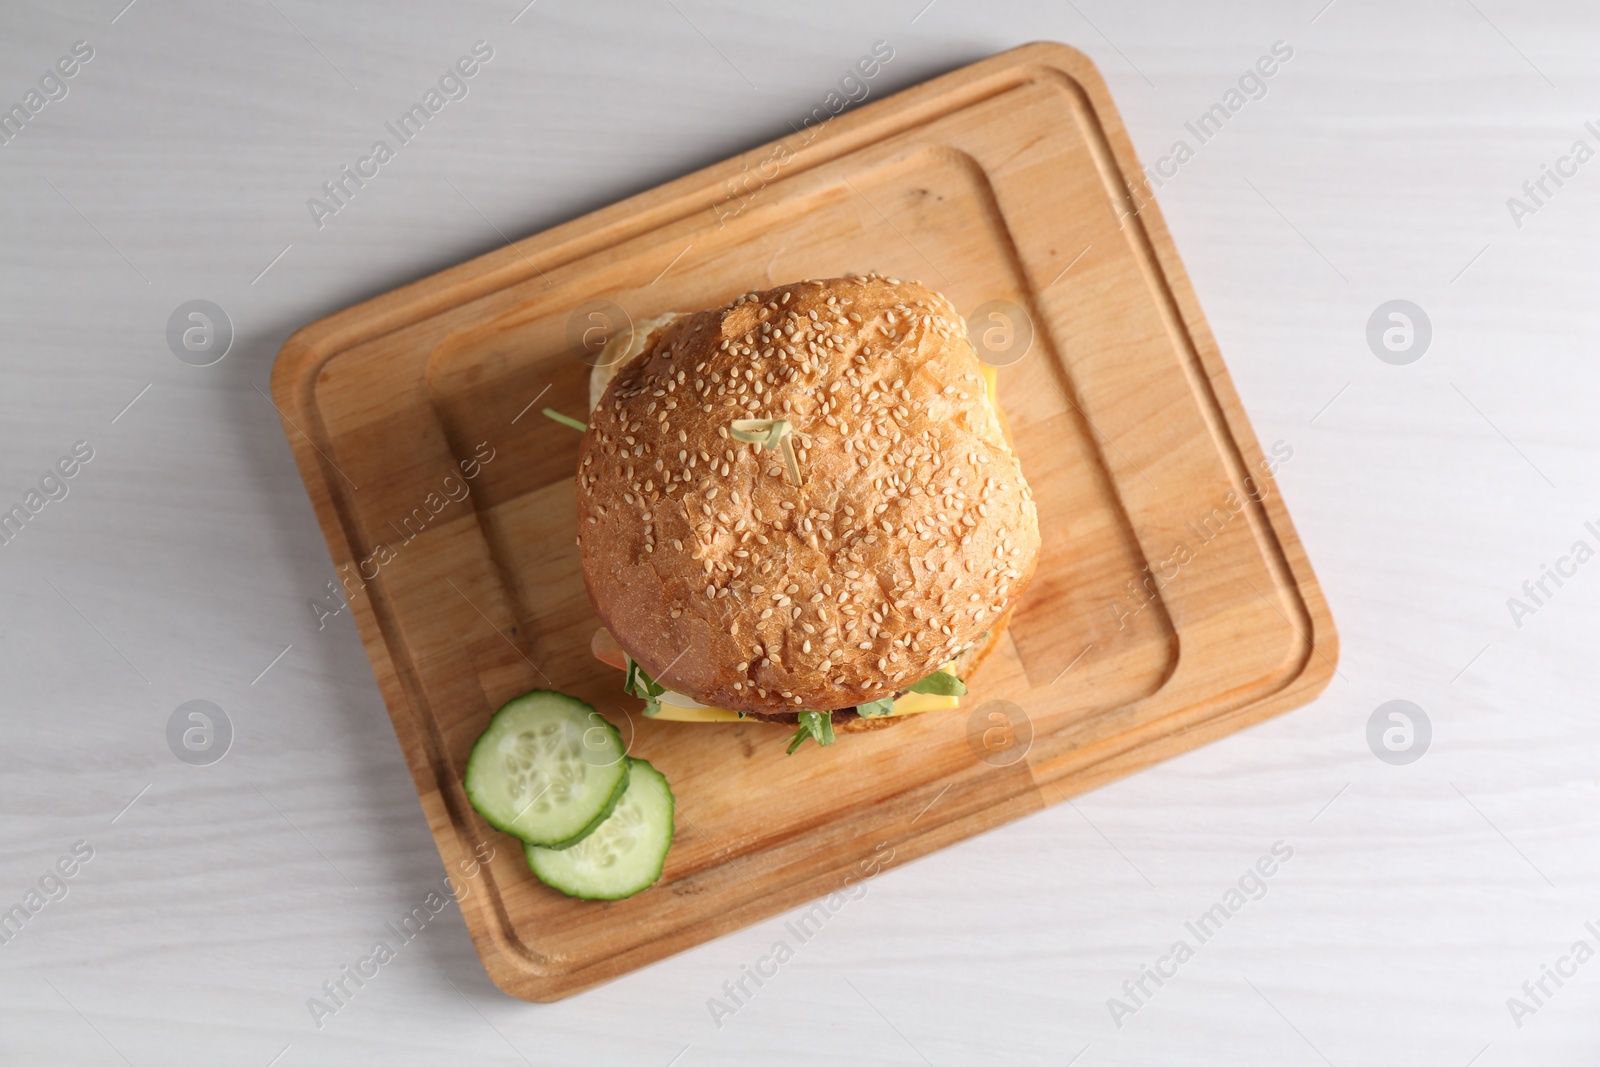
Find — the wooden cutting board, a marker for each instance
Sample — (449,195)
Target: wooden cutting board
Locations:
(1173,604)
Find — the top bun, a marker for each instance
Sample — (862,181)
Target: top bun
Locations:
(913,531)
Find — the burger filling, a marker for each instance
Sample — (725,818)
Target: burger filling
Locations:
(939,691)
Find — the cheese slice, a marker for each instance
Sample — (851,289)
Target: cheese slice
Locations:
(917,703)
(910,704)
(674,713)
(676,707)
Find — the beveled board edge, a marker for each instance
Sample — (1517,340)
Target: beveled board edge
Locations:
(304,353)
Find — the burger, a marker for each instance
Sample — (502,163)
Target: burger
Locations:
(802,507)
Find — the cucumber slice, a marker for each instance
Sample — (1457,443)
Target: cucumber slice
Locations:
(547,769)
(625,854)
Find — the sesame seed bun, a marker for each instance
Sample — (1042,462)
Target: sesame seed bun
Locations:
(908,541)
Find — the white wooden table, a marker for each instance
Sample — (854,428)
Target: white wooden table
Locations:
(183,560)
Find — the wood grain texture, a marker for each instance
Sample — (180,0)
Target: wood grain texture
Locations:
(1006,180)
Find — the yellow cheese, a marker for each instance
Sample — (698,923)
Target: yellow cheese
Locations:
(991,381)
(910,704)
(917,703)
(669,713)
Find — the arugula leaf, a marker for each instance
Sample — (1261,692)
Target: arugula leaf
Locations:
(813,724)
(639,684)
(566,420)
(941,683)
(876,709)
